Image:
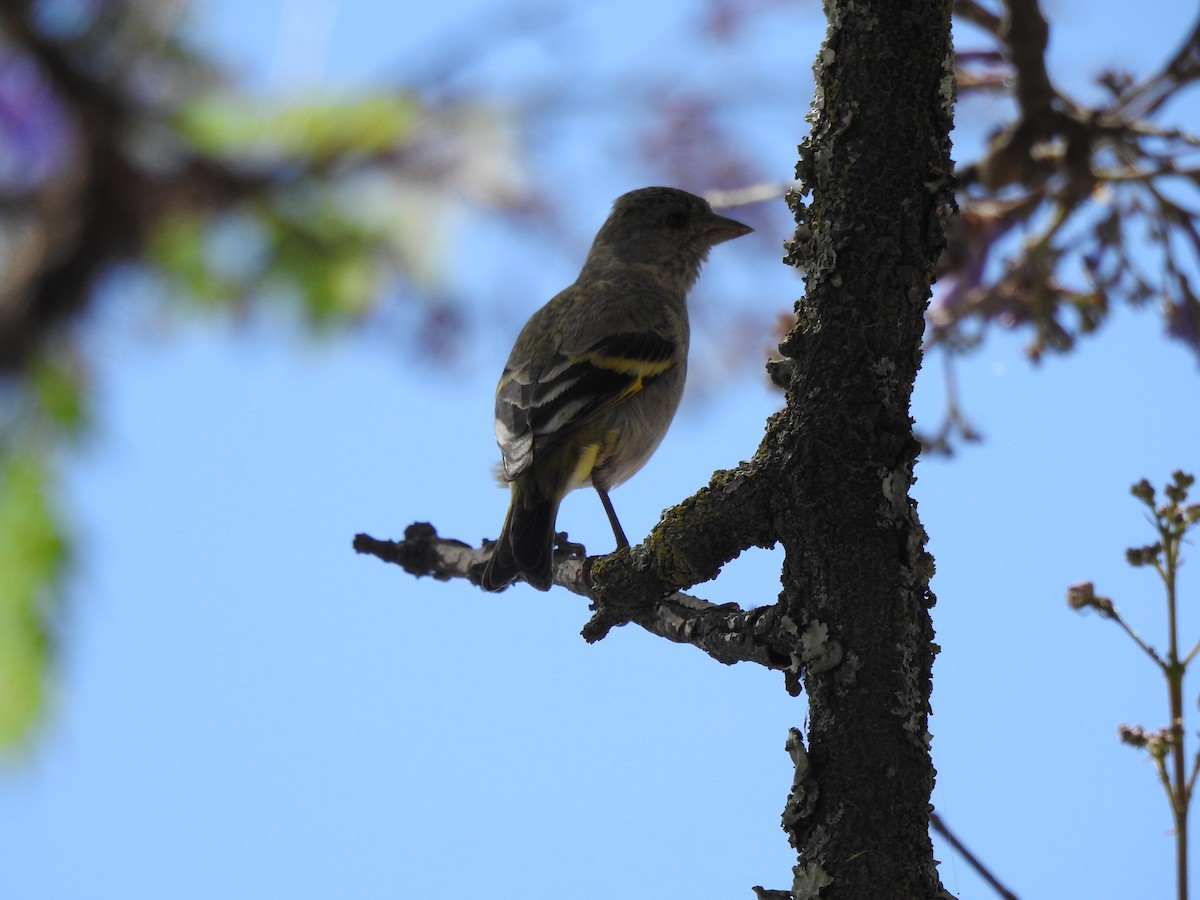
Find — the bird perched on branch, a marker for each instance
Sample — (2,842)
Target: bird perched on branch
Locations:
(596,374)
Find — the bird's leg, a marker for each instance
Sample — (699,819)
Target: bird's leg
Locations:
(618,532)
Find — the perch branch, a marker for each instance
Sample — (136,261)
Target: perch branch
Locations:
(725,632)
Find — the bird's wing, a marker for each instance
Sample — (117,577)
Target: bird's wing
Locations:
(538,406)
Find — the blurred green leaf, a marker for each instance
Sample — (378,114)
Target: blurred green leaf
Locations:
(55,382)
(315,130)
(325,253)
(304,245)
(178,247)
(32,553)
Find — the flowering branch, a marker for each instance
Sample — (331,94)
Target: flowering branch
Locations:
(1172,520)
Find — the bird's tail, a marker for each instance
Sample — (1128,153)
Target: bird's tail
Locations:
(526,543)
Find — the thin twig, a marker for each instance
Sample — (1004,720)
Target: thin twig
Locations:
(939,826)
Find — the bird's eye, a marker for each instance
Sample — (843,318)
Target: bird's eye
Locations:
(675,220)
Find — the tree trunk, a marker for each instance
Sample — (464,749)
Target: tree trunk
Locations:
(855,578)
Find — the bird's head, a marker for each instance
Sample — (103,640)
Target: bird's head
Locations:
(665,227)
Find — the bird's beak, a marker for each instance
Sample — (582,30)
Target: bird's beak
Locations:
(719,229)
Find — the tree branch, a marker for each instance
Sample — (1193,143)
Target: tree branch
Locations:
(975,12)
(1144,99)
(725,632)
(1027,34)
(972,860)
(422,552)
(642,584)
(112,202)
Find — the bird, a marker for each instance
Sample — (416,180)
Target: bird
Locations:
(595,376)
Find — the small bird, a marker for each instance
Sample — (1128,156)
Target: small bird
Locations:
(596,374)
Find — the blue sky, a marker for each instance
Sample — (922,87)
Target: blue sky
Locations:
(245,708)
